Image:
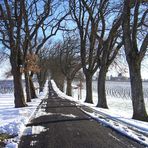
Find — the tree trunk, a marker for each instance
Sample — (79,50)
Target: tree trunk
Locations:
(28,93)
(60,84)
(17,80)
(88,88)
(69,88)
(42,77)
(41,85)
(59,80)
(32,88)
(139,111)
(40,81)
(102,102)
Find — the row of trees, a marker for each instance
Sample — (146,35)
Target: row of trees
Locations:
(102,28)
(63,60)
(25,26)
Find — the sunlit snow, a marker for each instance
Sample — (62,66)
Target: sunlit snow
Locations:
(13,120)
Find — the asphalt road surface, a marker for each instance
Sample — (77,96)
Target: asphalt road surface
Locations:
(59,123)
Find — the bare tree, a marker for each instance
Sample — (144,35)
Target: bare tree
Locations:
(109,39)
(22,23)
(135,37)
(99,37)
(55,23)
(43,74)
(12,20)
(88,41)
(47,30)
(70,62)
(54,67)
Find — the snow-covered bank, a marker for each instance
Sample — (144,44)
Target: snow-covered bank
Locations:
(13,120)
(119,115)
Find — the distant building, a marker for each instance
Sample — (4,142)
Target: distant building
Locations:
(120,77)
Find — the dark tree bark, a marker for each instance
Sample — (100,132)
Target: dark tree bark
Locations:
(32,88)
(135,54)
(139,111)
(59,80)
(18,89)
(89,88)
(69,87)
(42,77)
(102,101)
(27,82)
(41,82)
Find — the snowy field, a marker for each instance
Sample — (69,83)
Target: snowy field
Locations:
(13,120)
(118,96)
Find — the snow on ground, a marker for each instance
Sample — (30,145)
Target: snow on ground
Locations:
(13,120)
(118,111)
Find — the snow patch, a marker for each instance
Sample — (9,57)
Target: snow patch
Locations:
(69,115)
(13,120)
(11,145)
